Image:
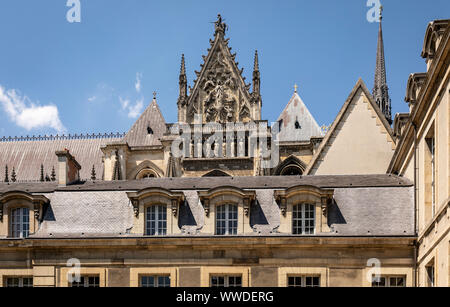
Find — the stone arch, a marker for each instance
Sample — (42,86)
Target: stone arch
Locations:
(291,166)
(144,168)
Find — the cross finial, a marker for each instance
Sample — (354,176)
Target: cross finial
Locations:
(295,87)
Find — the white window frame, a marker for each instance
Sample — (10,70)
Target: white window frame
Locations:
(304,208)
(228,231)
(20,228)
(155,279)
(226,279)
(85,282)
(160,220)
(303,281)
(387,281)
(21,281)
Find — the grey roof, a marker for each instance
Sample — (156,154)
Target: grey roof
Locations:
(205,183)
(27,154)
(375,205)
(89,214)
(150,118)
(296,110)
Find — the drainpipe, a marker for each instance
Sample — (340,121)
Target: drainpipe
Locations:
(416,243)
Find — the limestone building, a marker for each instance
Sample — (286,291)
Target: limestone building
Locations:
(203,202)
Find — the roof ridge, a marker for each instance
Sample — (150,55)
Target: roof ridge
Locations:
(63,137)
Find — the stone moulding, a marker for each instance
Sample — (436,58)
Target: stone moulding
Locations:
(175,198)
(325,195)
(246,196)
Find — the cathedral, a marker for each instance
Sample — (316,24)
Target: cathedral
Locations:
(222,198)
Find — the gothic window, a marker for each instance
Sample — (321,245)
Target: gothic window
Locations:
(86,282)
(149,130)
(19,282)
(304,281)
(297,125)
(226,220)
(156,220)
(303,219)
(155,281)
(292,170)
(20,223)
(147,174)
(224,281)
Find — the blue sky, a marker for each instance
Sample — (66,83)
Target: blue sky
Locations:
(99,74)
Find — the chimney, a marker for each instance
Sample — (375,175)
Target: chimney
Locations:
(68,168)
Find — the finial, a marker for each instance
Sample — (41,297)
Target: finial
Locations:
(256,66)
(154,95)
(42,178)
(183,65)
(220,26)
(13,175)
(6,174)
(295,88)
(93,174)
(53,174)
(381,13)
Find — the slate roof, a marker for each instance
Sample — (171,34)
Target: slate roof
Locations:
(27,154)
(296,110)
(151,118)
(370,205)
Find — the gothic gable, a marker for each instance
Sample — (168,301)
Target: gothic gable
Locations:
(220,93)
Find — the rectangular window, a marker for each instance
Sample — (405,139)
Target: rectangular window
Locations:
(19,282)
(20,223)
(304,281)
(156,221)
(430,276)
(86,282)
(155,281)
(226,220)
(389,281)
(303,219)
(225,281)
(432,152)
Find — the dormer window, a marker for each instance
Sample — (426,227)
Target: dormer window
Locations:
(297,124)
(149,130)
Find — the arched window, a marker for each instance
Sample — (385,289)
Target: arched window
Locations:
(226,220)
(303,219)
(20,223)
(146,174)
(156,220)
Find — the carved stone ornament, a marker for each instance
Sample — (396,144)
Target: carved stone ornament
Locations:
(135,204)
(174,207)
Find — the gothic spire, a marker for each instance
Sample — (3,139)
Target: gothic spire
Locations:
(182,82)
(381,90)
(256,76)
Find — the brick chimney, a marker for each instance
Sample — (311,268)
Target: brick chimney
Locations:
(68,168)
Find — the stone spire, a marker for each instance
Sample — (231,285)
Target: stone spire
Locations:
(256,76)
(381,90)
(183,82)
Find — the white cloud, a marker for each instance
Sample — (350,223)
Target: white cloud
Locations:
(133,110)
(27,114)
(138,83)
(92,99)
